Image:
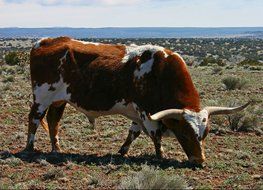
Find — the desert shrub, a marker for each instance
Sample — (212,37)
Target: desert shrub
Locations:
(12,161)
(152,178)
(248,123)
(217,70)
(9,79)
(210,60)
(251,62)
(255,68)
(53,173)
(243,122)
(235,120)
(228,67)
(232,83)
(12,58)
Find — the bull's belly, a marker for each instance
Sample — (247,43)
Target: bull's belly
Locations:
(119,108)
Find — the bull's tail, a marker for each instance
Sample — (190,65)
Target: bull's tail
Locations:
(44,125)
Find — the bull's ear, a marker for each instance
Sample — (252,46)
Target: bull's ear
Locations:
(167,114)
(225,110)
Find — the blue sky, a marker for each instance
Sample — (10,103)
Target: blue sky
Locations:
(131,13)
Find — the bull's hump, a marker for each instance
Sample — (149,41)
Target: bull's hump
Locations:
(134,50)
(47,42)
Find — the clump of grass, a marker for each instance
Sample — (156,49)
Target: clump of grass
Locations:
(243,122)
(152,178)
(53,173)
(12,58)
(12,161)
(249,123)
(235,120)
(232,83)
(217,70)
(9,79)
(251,62)
(256,68)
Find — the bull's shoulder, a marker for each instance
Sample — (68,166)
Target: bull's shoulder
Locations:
(133,51)
(48,42)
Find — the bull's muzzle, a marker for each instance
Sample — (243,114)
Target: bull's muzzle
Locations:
(197,160)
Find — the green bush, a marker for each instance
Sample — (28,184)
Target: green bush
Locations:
(211,60)
(152,178)
(217,70)
(53,173)
(249,124)
(12,58)
(255,68)
(250,62)
(232,83)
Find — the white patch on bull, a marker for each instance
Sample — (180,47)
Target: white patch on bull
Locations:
(118,108)
(179,56)
(144,69)
(31,138)
(45,97)
(37,44)
(86,43)
(134,50)
(197,120)
(150,126)
(64,58)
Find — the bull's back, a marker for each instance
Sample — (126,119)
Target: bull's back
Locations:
(46,57)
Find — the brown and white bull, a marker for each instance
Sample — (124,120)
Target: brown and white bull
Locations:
(148,84)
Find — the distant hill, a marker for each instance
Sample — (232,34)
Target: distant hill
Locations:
(140,32)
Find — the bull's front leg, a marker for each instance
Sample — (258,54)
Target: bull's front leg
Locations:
(156,137)
(153,129)
(134,132)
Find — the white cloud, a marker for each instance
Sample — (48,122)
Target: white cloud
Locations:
(76,2)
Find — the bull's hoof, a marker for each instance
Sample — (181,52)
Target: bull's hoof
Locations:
(56,151)
(29,148)
(160,155)
(123,151)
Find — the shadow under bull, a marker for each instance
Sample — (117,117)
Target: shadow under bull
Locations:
(60,159)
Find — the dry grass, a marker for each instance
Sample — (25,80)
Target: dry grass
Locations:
(150,177)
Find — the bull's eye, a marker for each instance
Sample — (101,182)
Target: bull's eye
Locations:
(204,120)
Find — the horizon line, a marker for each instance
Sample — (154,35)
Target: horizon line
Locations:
(105,27)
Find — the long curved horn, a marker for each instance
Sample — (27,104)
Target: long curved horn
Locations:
(167,114)
(225,110)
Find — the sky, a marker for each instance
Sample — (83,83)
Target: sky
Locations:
(131,13)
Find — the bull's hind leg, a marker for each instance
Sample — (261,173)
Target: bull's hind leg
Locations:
(36,114)
(134,132)
(54,115)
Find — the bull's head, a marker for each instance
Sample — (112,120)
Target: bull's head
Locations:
(191,128)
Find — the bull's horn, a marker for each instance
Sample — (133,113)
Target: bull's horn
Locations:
(225,110)
(167,114)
